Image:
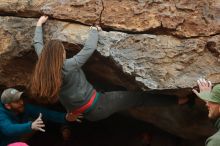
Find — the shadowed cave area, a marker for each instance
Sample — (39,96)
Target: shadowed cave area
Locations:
(117,130)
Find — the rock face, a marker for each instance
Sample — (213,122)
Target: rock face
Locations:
(156,61)
(182,18)
(145,44)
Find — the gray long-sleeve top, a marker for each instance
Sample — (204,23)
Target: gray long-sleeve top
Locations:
(75,90)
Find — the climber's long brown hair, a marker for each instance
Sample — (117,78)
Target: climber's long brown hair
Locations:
(47,76)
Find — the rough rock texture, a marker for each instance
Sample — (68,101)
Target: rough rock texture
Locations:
(17,34)
(156,61)
(84,11)
(182,18)
(156,44)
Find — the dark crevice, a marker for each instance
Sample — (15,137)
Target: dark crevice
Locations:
(196,37)
(100,16)
(31,14)
(211,46)
(118,130)
(216,34)
(154,31)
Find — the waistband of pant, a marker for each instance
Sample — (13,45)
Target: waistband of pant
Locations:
(89,105)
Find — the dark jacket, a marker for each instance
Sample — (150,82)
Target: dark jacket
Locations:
(12,126)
